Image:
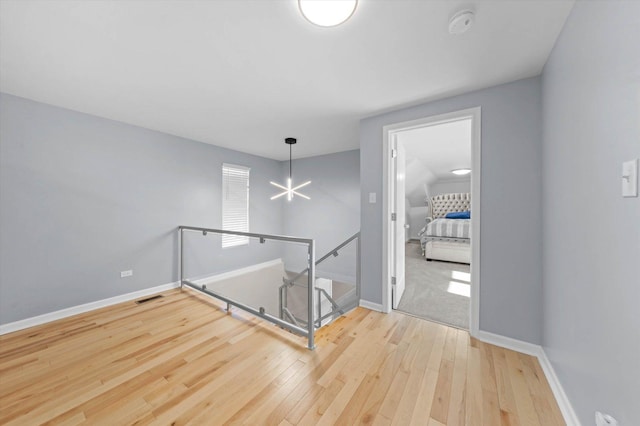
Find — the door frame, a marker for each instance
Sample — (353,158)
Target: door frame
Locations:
(388,132)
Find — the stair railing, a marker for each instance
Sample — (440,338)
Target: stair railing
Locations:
(336,310)
(293,326)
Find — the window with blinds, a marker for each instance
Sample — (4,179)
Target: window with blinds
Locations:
(235,204)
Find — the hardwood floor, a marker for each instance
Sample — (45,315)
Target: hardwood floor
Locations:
(182,359)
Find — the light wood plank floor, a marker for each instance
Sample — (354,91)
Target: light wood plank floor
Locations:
(182,359)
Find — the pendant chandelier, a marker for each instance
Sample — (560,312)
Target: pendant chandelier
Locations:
(290,190)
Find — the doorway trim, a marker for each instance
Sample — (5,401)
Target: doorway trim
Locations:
(388,133)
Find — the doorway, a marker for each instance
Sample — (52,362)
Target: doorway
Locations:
(395,234)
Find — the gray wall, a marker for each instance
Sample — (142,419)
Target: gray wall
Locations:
(511,289)
(591,100)
(333,213)
(417,220)
(445,187)
(83,198)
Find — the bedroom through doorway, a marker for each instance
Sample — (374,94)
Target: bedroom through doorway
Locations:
(430,196)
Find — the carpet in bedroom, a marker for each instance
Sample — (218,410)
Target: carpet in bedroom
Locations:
(433,289)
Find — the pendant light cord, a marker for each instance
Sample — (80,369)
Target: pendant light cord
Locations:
(290,167)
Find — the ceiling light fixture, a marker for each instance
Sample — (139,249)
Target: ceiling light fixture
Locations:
(327,13)
(461,172)
(290,190)
(461,22)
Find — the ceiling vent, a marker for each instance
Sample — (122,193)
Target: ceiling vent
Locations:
(461,22)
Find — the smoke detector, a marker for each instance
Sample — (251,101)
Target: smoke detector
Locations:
(461,22)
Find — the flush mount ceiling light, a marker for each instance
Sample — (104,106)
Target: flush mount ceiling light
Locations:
(461,22)
(327,13)
(290,190)
(461,172)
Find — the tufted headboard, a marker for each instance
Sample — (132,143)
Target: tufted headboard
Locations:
(446,203)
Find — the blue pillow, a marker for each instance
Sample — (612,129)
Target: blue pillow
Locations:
(458,215)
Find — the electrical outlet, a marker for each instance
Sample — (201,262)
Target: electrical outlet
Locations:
(128,273)
(605,420)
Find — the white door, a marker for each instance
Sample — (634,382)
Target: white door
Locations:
(398,222)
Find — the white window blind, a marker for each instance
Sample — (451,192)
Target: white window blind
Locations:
(235,204)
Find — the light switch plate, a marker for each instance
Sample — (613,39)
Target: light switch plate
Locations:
(630,178)
(372,197)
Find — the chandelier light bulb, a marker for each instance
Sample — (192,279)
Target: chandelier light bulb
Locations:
(289,190)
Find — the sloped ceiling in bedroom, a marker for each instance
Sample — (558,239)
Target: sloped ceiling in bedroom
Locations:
(432,152)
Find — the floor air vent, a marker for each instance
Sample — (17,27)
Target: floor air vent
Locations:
(148,299)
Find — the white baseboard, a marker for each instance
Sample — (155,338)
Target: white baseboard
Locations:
(509,343)
(371,305)
(80,309)
(568,412)
(566,408)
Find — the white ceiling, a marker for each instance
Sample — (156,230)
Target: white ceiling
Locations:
(246,74)
(432,152)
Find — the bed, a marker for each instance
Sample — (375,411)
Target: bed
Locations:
(447,239)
